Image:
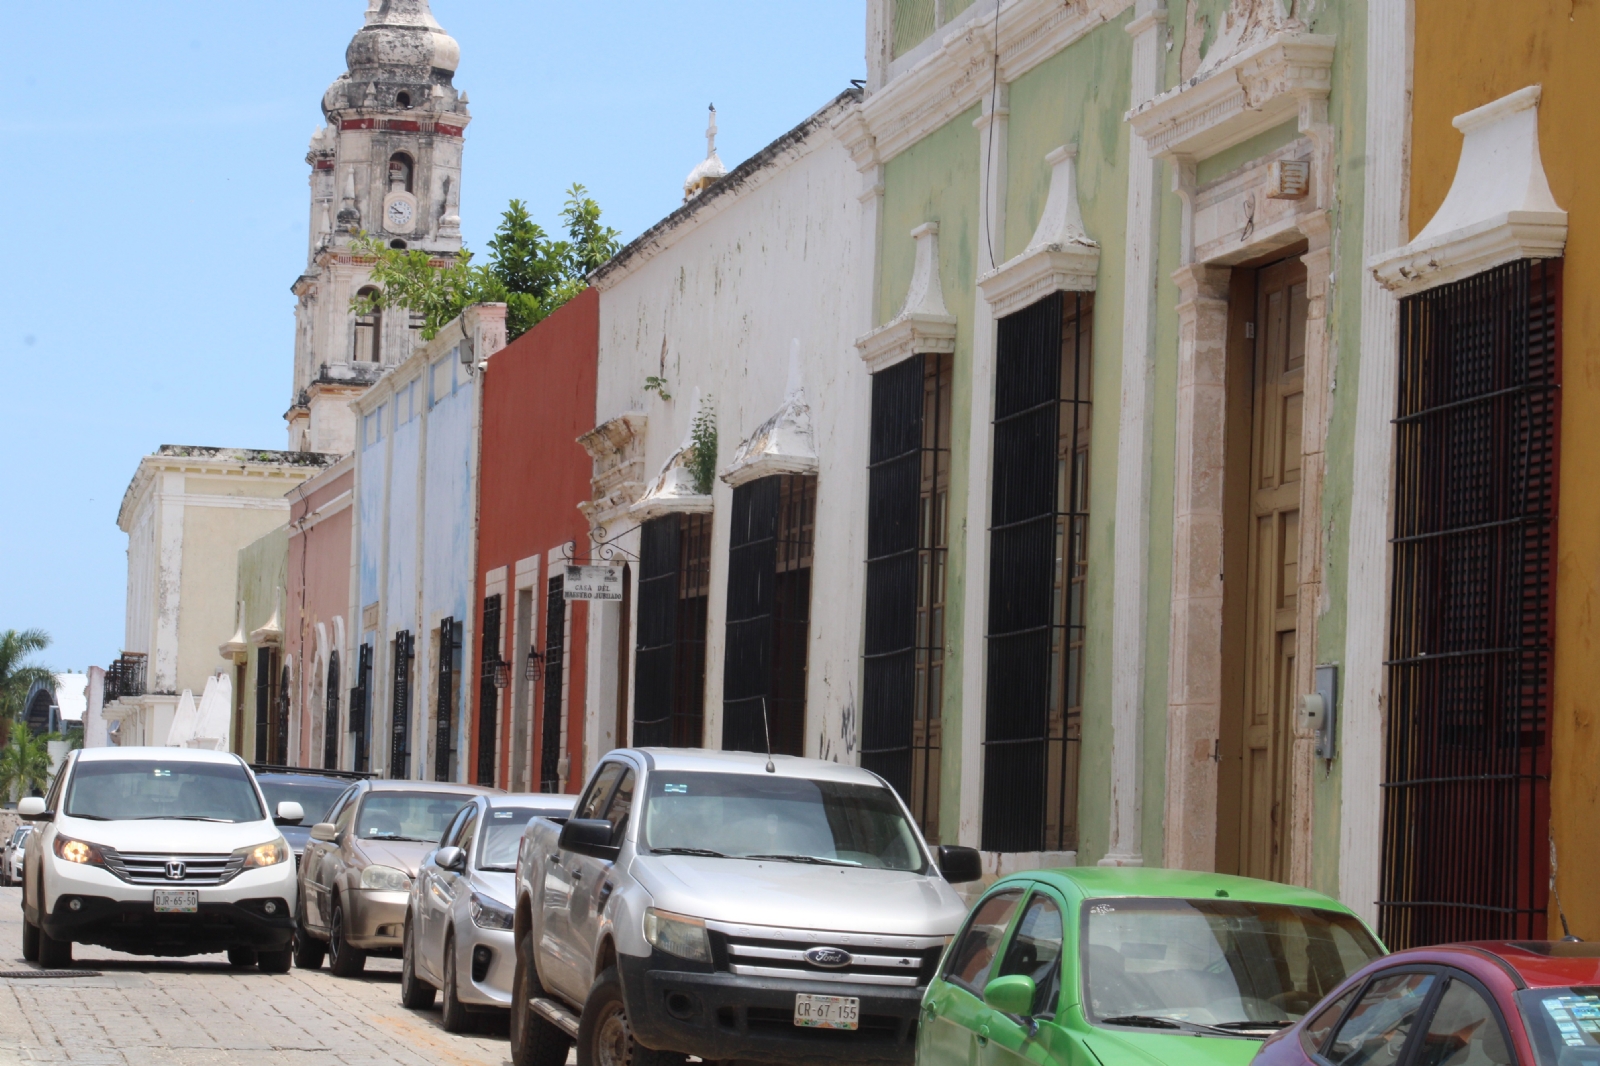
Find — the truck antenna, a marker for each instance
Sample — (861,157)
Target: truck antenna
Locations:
(766,727)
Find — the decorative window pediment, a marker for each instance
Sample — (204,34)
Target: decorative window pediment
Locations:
(269,635)
(784,443)
(1060,257)
(674,489)
(1255,80)
(1499,208)
(924,324)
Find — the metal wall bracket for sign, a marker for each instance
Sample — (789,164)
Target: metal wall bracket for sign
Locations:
(592,583)
(602,546)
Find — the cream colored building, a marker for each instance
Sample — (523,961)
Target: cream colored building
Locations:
(187,513)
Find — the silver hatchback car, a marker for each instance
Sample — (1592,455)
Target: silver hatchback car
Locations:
(459,915)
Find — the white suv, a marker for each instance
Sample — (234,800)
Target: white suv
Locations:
(158,851)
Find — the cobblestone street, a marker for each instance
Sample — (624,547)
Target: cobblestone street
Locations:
(199,1011)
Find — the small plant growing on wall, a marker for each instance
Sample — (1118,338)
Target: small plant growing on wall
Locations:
(703,438)
(657,385)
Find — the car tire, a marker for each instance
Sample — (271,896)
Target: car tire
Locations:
(605,1038)
(344,959)
(534,1040)
(308,950)
(30,941)
(275,961)
(241,958)
(415,993)
(54,954)
(454,1015)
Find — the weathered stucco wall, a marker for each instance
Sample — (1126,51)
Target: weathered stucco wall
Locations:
(1468,53)
(318,599)
(261,570)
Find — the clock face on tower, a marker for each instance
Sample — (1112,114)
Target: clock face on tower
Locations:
(399,212)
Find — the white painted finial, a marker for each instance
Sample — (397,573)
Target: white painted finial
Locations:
(926,294)
(1061,224)
(710,169)
(711,133)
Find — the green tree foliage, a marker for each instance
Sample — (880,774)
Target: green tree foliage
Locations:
(25,763)
(527,271)
(17,675)
(703,437)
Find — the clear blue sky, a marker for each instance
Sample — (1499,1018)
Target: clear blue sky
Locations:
(155,192)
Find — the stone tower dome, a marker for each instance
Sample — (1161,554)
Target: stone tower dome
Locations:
(386,168)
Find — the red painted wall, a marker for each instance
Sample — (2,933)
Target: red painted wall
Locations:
(538,397)
(319,594)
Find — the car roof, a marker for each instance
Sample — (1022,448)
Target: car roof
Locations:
(390,785)
(1093,882)
(1540,963)
(747,762)
(542,801)
(163,754)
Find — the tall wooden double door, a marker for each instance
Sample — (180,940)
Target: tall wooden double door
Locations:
(1266,398)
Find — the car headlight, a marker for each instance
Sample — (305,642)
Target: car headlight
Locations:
(677,935)
(487,914)
(79,851)
(269,854)
(385,879)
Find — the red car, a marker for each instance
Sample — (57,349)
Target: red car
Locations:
(1496,1003)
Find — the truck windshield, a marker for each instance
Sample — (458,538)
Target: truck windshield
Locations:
(781,818)
(418,816)
(1214,964)
(501,834)
(114,790)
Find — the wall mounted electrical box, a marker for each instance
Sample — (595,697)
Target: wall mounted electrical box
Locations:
(1319,710)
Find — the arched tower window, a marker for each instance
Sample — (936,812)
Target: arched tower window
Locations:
(403,99)
(400,171)
(369,331)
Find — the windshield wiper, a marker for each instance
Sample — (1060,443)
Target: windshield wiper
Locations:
(1246,1026)
(1144,1021)
(180,818)
(501,869)
(707,852)
(413,840)
(91,817)
(815,860)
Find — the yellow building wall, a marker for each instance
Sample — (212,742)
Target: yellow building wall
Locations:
(1469,52)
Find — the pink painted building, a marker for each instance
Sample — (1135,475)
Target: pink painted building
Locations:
(318,580)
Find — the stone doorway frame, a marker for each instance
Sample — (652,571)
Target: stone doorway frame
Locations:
(1267,205)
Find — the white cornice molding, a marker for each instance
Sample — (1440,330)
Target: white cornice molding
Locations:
(1060,258)
(961,72)
(1499,208)
(1260,87)
(784,443)
(924,324)
(674,490)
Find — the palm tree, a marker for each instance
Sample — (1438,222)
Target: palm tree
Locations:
(17,675)
(24,764)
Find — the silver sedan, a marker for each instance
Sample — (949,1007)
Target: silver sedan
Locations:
(458,918)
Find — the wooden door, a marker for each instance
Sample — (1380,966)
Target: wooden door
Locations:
(1273,573)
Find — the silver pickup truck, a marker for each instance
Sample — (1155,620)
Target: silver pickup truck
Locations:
(729,906)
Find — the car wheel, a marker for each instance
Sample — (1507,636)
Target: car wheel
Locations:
(605,1037)
(241,958)
(415,993)
(275,961)
(454,1016)
(30,941)
(534,1040)
(343,959)
(54,954)
(308,950)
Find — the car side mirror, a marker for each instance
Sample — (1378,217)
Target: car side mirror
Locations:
(324,831)
(960,865)
(32,809)
(450,859)
(289,813)
(588,836)
(1011,995)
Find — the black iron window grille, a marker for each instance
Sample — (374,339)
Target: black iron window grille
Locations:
(908,537)
(266,704)
(125,677)
(769,607)
(674,591)
(284,706)
(400,708)
(444,712)
(489,693)
(330,726)
(361,710)
(1467,765)
(1037,565)
(555,648)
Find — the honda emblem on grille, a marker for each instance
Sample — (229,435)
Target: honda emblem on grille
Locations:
(175,871)
(832,958)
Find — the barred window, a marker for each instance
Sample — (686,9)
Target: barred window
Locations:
(674,590)
(1038,556)
(1467,775)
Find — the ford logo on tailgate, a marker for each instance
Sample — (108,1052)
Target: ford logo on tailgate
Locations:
(832,958)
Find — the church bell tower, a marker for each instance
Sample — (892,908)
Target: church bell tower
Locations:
(387,164)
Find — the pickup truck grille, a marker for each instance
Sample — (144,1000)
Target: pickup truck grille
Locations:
(153,869)
(855,958)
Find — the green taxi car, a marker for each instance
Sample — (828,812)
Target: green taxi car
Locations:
(1099,966)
